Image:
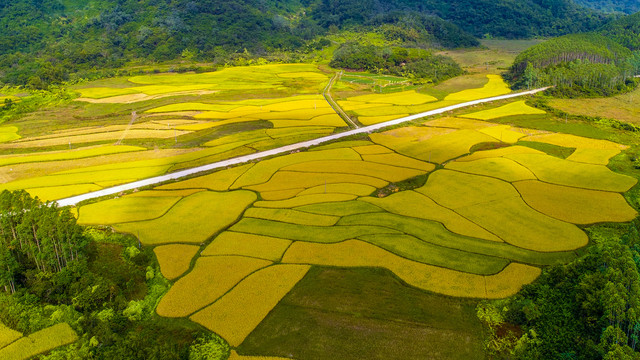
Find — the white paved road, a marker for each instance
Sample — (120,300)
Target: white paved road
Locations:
(281,150)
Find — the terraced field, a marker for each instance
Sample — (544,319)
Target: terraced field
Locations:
(476,224)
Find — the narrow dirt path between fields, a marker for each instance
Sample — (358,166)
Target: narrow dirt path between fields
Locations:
(281,150)
(327,96)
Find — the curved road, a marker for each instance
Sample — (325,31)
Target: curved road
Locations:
(281,150)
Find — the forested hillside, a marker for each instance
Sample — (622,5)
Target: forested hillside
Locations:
(598,63)
(499,18)
(43,42)
(624,6)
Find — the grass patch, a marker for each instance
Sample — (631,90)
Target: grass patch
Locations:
(325,315)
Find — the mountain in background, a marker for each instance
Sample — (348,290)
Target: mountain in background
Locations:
(44,41)
(612,6)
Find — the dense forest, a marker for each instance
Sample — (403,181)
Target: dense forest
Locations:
(99,282)
(46,41)
(588,309)
(600,63)
(612,6)
(417,64)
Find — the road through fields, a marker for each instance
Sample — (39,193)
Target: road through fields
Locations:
(281,150)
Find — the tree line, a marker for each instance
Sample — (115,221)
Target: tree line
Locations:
(416,64)
(577,65)
(35,237)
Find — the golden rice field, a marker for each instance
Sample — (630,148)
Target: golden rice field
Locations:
(39,342)
(419,201)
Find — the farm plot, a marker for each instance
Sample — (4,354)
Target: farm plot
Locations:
(183,225)
(494,87)
(39,342)
(480,225)
(514,108)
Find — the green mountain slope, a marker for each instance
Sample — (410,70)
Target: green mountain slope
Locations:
(622,6)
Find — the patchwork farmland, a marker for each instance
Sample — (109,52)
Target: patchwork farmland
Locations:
(451,209)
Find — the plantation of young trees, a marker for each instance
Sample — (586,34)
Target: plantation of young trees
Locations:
(35,237)
(582,64)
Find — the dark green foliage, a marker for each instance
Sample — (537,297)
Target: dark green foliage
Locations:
(502,18)
(577,65)
(36,238)
(625,31)
(612,6)
(417,64)
(587,309)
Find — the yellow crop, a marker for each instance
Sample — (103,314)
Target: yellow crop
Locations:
(370,120)
(8,133)
(211,278)
(218,181)
(427,277)
(97,137)
(61,192)
(455,190)
(280,194)
(565,172)
(349,105)
(305,200)
(574,205)
(487,154)
(458,123)
(371,150)
(255,246)
(501,168)
(496,86)
(181,224)
(39,342)
(593,156)
(192,107)
(234,356)
(263,170)
(291,216)
(381,171)
(410,97)
(525,227)
(399,160)
(238,313)
(413,204)
(323,120)
(384,110)
(174,259)
(503,133)
(126,209)
(68,155)
(514,108)
(439,148)
(340,188)
(573,141)
(8,335)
